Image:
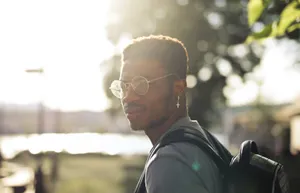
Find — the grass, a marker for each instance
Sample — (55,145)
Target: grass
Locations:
(91,173)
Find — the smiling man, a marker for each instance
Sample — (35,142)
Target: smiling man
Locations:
(152,88)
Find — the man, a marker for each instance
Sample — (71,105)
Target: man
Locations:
(152,88)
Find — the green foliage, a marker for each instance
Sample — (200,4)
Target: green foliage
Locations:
(288,16)
(280,17)
(262,34)
(255,8)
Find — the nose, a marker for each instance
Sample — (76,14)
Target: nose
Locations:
(129,95)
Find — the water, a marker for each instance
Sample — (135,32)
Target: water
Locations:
(78,143)
(75,143)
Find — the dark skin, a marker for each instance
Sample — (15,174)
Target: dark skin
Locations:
(155,112)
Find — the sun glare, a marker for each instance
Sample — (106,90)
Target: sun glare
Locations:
(66,38)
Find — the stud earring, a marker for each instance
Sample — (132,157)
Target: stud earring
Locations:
(178,104)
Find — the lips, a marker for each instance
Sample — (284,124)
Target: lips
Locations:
(133,112)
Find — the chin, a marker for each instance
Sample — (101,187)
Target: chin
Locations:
(137,129)
(136,126)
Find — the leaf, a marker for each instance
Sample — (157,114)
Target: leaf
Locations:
(293,28)
(255,9)
(288,16)
(293,31)
(266,32)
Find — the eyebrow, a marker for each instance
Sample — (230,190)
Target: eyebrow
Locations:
(128,77)
(125,75)
(125,78)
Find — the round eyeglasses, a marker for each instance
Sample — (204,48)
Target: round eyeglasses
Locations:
(139,84)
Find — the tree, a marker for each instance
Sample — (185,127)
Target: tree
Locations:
(209,29)
(277,18)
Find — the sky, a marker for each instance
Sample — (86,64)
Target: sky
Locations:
(68,39)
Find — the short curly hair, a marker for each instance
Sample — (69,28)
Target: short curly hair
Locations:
(169,51)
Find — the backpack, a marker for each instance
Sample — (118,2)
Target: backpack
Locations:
(247,172)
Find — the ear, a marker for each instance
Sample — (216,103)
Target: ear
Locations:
(179,87)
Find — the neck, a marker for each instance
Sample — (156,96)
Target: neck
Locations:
(155,133)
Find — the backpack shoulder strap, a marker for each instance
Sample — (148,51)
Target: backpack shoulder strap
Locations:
(192,136)
(222,151)
(189,135)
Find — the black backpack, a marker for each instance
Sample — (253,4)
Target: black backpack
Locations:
(247,172)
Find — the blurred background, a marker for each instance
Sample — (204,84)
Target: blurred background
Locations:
(61,130)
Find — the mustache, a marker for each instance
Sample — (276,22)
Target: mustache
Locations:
(133,105)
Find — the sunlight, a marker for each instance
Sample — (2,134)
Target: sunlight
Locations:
(79,143)
(277,74)
(67,39)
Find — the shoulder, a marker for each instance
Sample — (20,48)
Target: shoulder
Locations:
(184,152)
(182,164)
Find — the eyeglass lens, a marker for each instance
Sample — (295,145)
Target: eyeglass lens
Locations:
(139,84)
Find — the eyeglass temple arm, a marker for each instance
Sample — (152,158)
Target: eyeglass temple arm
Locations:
(155,79)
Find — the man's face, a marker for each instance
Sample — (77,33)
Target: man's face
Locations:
(152,109)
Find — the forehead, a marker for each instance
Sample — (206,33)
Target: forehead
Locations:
(146,68)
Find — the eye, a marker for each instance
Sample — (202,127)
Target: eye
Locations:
(140,85)
(124,86)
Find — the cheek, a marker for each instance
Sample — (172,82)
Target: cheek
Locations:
(157,104)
